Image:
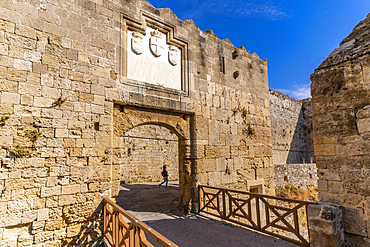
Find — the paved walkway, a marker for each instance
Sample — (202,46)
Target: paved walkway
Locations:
(157,207)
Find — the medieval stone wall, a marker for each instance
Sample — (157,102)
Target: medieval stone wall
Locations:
(299,175)
(67,100)
(291,126)
(340,107)
(145,150)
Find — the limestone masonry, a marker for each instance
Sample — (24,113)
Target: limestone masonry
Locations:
(292,137)
(341,122)
(78,77)
(299,175)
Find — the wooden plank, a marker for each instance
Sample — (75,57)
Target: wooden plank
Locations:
(223,204)
(137,238)
(258,212)
(296,223)
(132,237)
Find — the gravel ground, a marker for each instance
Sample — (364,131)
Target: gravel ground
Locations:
(157,207)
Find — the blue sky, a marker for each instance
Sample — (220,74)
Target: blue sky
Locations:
(294,35)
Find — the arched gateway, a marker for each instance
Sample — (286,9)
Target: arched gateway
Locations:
(127,117)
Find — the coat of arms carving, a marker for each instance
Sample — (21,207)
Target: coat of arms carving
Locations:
(137,42)
(155,46)
(173,55)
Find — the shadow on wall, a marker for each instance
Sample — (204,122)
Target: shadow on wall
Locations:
(91,233)
(301,147)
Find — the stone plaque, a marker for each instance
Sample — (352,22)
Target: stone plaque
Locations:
(151,59)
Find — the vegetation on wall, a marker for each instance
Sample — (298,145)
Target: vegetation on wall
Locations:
(59,101)
(310,193)
(33,135)
(20,151)
(3,120)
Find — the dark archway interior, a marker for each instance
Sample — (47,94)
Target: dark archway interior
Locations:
(146,148)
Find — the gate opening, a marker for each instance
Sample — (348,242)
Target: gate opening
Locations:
(144,151)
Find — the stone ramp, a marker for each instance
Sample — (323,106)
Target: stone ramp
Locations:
(157,207)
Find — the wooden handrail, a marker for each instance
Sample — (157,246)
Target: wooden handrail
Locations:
(120,233)
(256,211)
(255,194)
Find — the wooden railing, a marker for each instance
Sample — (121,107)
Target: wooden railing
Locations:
(280,217)
(128,232)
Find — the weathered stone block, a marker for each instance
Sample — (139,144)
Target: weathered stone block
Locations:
(214,178)
(335,187)
(10,98)
(29,216)
(24,241)
(52,191)
(206,165)
(22,65)
(322,185)
(325,223)
(42,214)
(351,216)
(325,149)
(11,219)
(364,112)
(4,49)
(71,189)
(43,236)
(20,205)
(73,230)
(61,133)
(12,242)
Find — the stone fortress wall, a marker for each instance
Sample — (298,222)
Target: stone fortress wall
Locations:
(146,149)
(292,137)
(68,97)
(299,175)
(291,126)
(293,152)
(341,120)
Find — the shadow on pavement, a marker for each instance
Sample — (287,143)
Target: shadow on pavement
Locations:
(157,207)
(148,197)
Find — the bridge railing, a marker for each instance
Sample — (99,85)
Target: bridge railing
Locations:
(123,229)
(280,217)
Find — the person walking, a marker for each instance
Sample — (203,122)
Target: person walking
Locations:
(165,177)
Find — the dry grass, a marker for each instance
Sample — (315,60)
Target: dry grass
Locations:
(299,193)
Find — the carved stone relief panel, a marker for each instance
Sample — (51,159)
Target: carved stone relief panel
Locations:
(137,42)
(151,59)
(173,55)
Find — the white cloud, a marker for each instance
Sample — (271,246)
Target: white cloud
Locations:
(238,9)
(298,91)
(235,9)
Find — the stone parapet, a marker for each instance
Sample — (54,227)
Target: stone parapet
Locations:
(325,224)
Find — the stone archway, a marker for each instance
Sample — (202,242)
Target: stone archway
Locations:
(126,117)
